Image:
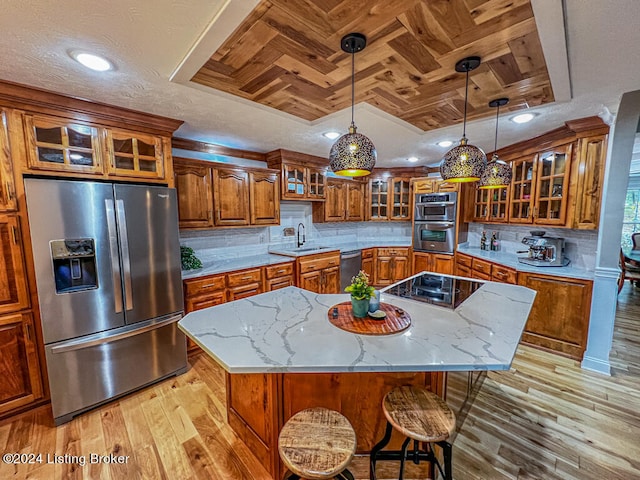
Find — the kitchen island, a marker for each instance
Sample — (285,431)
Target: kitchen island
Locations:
(282,355)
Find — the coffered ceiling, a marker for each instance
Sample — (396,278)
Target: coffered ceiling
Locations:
(286,55)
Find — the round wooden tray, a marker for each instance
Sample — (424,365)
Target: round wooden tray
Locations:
(396,320)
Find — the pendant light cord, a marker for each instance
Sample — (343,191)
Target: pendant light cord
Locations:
(495,143)
(466,93)
(353,81)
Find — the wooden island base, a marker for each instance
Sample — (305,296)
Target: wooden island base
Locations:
(258,405)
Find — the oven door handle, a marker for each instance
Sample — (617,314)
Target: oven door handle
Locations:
(436,224)
(434,204)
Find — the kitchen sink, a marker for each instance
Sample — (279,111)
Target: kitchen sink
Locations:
(294,252)
(310,249)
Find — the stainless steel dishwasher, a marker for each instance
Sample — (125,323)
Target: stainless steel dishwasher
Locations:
(350,265)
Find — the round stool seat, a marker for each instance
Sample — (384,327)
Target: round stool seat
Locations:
(419,414)
(317,443)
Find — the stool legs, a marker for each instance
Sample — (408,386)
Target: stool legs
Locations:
(344,475)
(415,455)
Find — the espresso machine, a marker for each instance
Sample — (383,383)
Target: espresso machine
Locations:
(544,251)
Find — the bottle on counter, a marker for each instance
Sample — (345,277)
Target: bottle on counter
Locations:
(495,244)
(483,241)
(374,301)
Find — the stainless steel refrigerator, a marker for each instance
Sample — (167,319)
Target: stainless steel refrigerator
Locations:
(107,260)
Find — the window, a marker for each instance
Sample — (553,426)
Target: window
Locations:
(631,219)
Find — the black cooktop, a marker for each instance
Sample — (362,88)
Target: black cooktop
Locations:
(441,290)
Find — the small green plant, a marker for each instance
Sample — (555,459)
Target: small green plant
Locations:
(189,259)
(360,288)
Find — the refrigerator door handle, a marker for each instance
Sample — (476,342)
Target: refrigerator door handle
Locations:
(113,252)
(81,344)
(126,263)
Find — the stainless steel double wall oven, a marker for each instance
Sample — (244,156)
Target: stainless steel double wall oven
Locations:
(434,226)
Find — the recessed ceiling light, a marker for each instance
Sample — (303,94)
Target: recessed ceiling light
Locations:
(413,159)
(94,62)
(331,135)
(523,118)
(445,143)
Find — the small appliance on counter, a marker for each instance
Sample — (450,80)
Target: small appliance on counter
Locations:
(544,251)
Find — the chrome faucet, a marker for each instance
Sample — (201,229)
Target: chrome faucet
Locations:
(298,242)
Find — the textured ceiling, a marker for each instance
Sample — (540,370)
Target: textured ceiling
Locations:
(286,54)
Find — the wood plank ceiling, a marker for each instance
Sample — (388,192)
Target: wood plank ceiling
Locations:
(286,54)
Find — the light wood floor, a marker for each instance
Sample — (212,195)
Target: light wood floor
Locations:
(544,419)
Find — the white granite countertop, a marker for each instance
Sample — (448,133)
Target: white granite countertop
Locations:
(288,330)
(511,260)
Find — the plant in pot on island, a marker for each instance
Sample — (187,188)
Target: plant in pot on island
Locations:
(361,292)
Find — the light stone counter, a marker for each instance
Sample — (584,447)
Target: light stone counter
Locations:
(288,330)
(511,260)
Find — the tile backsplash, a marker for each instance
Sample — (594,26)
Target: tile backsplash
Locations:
(580,245)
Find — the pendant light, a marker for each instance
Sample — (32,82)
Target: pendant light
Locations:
(465,162)
(353,154)
(497,174)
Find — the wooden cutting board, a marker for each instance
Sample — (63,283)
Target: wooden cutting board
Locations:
(396,320)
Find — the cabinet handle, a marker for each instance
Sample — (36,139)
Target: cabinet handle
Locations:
(249,277)
(312,267)
(16,235)
(27,330)
(208,285)
(9,190)
(279,271)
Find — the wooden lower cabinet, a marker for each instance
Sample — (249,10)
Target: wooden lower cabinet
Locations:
(319,273)
(13,281)
(433,262)
(559,319)
(20,380)
(391,265)
(367,263)
(258,405)
(279,276)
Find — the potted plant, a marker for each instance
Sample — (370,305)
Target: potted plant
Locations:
(361,292)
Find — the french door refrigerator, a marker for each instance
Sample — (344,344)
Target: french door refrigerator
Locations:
(107,261)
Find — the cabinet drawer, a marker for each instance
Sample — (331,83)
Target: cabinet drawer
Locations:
(463,271)
(244,291)
(463,259)
(503,274)
(203,285)
(205,301)
(367,253)
(318,262)
(244,277)
(481,266)
(393,252)
(276,283)
(480,275)
(280,270)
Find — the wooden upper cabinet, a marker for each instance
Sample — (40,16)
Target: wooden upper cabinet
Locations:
(133,154)
(317,183)
(335,203)
(552,188)
(60,146)
(378,199)
(355,198)
(491,205)
(195,197)
(303,176)
(294,182)
(586,181)
(522,189)
(264,197)
(400,207)
(231,197)
(13,281)
(20,381)
(7,182)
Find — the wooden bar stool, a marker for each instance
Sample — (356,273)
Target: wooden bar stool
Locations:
(317,444)
(420,416)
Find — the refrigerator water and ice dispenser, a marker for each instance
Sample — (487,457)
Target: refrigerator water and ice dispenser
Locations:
(74,264)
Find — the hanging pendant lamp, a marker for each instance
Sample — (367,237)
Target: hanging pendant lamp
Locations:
(465,162)
(497,174)
(353,154)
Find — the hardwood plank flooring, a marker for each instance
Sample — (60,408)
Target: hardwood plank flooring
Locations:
(546,418)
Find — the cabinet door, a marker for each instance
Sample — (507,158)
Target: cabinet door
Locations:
(401,201)
(442,263)
(367,266)
(426,185)
(491,205)
(59,146)
(522,190)
(384,270)
(331,280)
(311,281)
(294,182)
(588,177)
(334,206)
(400,268)
(316,184)
(134,155)
(264,198)
(355,197)
(195,197)
(20,382)
(230,197)
(552,187)
(421,262)
(378,199)
(559,318)
(13,280)
(463,271)
(7,185)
